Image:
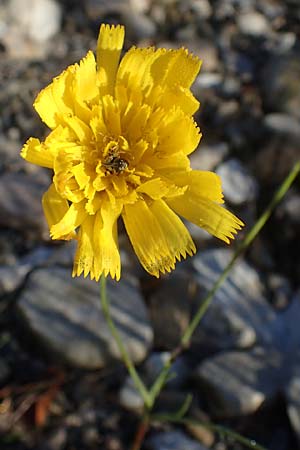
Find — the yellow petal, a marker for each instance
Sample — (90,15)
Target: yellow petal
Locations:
(176,67)
(55,100)
(85,87)
(36,152)
(177,132)
(206,214)
(74,217)
(111,115)
(154,188)
(157,235)
(200,182)
(105,238)
(55,207)
(84,257)
(109,46)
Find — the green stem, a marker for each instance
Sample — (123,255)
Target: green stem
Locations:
(186,337)
(125,356)
(220,429)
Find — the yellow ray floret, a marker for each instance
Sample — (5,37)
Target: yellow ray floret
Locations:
(121,134)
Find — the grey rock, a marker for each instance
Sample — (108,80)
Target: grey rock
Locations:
(12,276)
(253,24)
(28,32)
(286,330)
(130,397)
(169,309)
(201,8)
(280,83)
(208,80)
(154,364)
(282,124)
(64,315)
(98,8)
(290,207)
(239,315)
(173,440)
(239,186)
(292,392)
(237,383)
(38,19)
(281,290)
(208,156)
(20,203)
(138,26)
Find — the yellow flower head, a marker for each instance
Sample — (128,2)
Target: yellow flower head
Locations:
(119,145)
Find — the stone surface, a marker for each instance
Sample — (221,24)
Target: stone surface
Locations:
(253,24)
(38,19)
(283,124)
(280,83)
(239,314)
(208,156)
(169,309)
(292,392)
(239,186)
(64,315)
(237,383)
(173,440)
(12,276)
(129,396)
(20,203)
(28,32)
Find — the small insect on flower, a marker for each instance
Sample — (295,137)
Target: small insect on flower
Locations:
(121,135)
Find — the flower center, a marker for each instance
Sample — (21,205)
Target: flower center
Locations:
(113,160)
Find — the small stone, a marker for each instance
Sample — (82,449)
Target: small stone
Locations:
(239,186)
(292,392)
(169,309)
(239,315)
(282,124)
(290,208)
(253,24)
(208,156)
(20,203)
(40,19)
(281,290)
(173,440)
(130,397)
(237,383)
(208,80)
(155,363)
(280,83)
(64,315)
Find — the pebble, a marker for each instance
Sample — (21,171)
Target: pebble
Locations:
(20,203)
(170,308)
(208,156)
(280,83)
(284,125)
(253,24)
(292,392)
(64,314)
(237,383)
(239,186)
(173,440)
(239,315)
(38,19)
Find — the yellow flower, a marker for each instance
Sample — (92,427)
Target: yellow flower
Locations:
(119,145)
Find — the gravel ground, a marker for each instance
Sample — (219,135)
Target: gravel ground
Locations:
(62,386)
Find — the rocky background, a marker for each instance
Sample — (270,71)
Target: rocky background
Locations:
(62,386)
